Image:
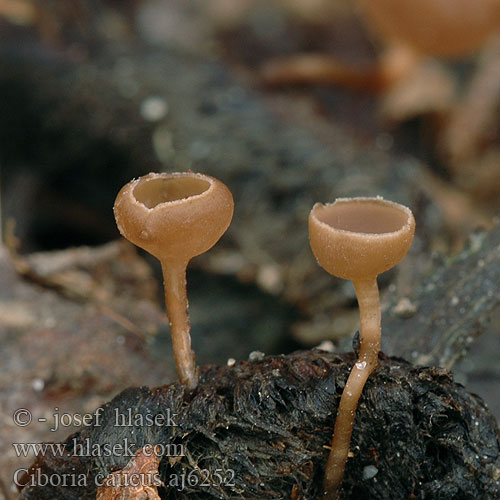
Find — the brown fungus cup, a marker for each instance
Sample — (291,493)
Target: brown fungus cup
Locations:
(175,217)
(357,239)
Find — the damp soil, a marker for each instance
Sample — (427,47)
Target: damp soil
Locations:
(261,429)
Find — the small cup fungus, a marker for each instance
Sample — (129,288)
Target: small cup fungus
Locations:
(175,217)
(357,239)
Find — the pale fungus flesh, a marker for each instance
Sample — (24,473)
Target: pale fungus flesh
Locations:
(175,217)
(357,239)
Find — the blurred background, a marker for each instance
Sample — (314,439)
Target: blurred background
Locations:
(288,102)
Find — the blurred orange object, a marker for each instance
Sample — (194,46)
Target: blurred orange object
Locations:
(446,28)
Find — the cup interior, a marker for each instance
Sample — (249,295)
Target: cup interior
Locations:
(152,192)
(364,216)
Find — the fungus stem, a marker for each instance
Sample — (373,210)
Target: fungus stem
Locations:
(370,317)
(174,278)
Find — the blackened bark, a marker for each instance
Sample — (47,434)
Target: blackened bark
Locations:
(261,430)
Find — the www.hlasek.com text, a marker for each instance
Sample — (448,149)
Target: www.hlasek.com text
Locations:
(75,448)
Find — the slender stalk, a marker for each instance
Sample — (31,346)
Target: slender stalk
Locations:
(174,278)
(369,311)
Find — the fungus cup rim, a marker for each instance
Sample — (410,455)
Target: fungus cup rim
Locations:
(134,184)
(365,199)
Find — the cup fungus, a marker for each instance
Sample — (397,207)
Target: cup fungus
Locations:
(175,217)
(357,239)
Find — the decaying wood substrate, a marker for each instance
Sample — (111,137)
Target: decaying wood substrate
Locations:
(260,429)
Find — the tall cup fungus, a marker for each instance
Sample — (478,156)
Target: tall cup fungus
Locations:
(357,239)
(175,217)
